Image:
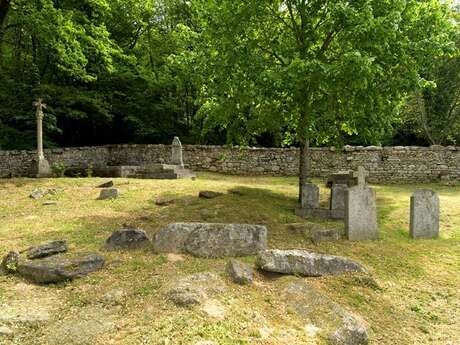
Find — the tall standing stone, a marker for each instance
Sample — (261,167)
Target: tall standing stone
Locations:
(176,156)
(361,210)
(43,167)
(424,214)
(310,196)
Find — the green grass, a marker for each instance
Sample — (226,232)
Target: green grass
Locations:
(417,301)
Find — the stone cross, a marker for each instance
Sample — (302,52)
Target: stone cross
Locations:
(39,114)
(361,175)
(176,155)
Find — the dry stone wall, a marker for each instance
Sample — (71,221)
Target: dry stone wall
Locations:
(385,164)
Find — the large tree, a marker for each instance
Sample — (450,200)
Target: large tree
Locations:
(315,70)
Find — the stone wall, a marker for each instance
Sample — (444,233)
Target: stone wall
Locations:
(385,164)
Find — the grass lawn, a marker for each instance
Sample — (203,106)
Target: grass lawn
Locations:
(418,301)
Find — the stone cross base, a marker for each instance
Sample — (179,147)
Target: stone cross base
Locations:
(41,168)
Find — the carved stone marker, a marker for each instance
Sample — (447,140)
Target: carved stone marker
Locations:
(43,167)
(337,201)
(424,214)
(176,156)
(361,210)
(310,196)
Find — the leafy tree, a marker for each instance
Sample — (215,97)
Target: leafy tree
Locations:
(433,113)
(318,70)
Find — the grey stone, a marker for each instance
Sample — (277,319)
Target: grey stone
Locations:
(106,185)
(49,203)
(424,214)
(309,264)
(164,201)
(5,331)
(176,152)
(39,193)
(343,177)
(127,239)
(211,240)
(240,273)
(57,269)
(46,249)
(310,196)
(338,193)
(223,240)
(10,262)
(361,214)
(195,289)
(108,193)
(206,194)
(336,325)
(324,235)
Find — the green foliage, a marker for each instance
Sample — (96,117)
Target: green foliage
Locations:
(58,169)
(319,70)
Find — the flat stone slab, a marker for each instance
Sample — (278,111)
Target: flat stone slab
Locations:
(127,239)
(106,185)
(240,273)
(211,240)
(57,269)
(206,194)
(424,214)
(195,289)
(301,262)
(108,193)
(46,249)
(329,320)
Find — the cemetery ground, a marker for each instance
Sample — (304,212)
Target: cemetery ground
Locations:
(413,298)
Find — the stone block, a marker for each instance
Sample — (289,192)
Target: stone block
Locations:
(424,214)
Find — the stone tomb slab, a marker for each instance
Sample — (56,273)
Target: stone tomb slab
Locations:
(361,214)
(424,214)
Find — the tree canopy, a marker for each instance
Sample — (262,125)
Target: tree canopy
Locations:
(221,71)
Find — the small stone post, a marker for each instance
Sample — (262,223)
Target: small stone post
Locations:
(43,167)
(176,157)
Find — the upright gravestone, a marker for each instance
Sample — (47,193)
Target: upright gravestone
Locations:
(337,200)
(310,196)
(424,214)
(361,210)
(176,156)
(42,167)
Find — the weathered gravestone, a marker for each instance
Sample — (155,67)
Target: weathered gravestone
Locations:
(361,210)
(424,214)
(176,154)
(337,201)
(310,196)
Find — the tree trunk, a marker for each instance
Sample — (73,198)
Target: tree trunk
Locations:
(304,165)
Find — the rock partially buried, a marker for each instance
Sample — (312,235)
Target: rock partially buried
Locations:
(195,289)
(211,240)
(106,185)
(46,249)
(109,193)
(300,262)
(335,325)
(39,193)
(10,262)
(206,194)
(57,269)
(239,272)
(164,201)
(127,239)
